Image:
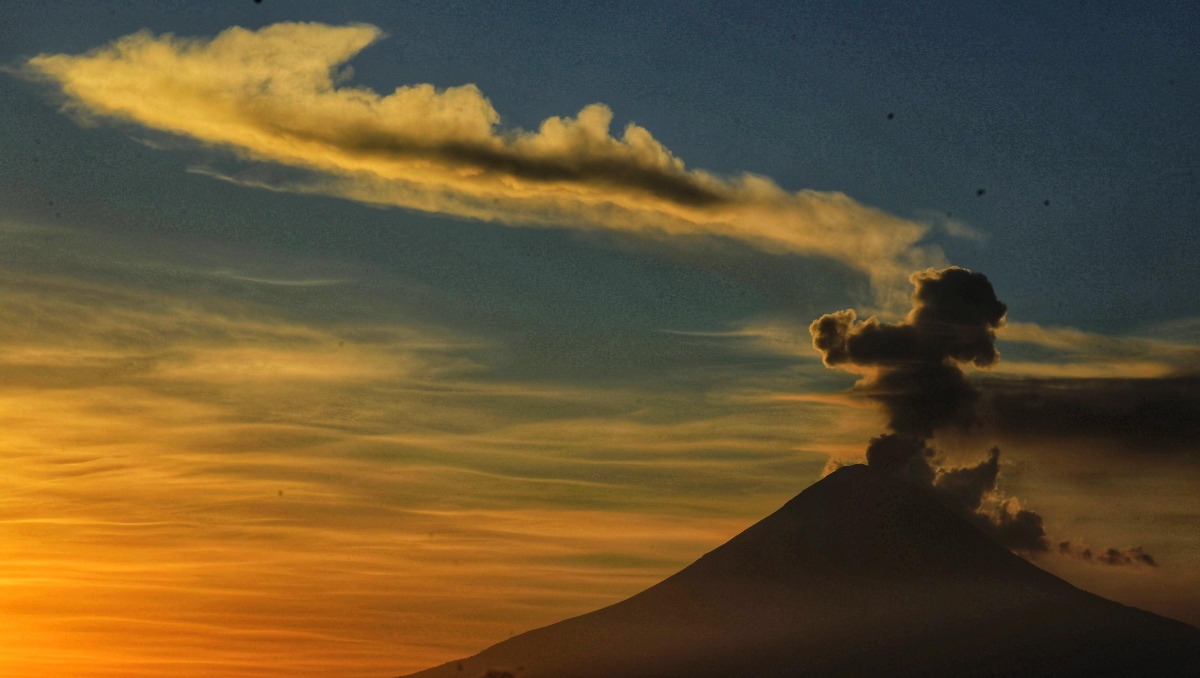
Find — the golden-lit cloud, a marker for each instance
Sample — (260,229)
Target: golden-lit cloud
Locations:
(279,94)
(1080,348)
(1090,369)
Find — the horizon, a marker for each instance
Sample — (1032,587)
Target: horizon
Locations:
(353,340)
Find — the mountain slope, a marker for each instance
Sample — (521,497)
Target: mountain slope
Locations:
(860,574)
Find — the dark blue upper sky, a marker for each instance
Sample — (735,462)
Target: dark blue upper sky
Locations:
(1089,105)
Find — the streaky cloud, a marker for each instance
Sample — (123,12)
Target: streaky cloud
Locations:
(276,95)
(1137,415)
(300,282)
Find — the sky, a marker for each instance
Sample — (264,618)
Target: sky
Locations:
(348,340)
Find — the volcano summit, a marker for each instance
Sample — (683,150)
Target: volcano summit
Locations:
(861,574)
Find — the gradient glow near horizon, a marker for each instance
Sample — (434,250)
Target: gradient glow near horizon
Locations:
(349,342)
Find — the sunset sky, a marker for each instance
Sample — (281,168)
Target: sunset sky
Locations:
(348,339)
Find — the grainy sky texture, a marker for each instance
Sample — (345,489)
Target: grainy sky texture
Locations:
(346,339)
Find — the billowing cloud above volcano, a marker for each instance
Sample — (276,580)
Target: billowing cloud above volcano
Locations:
(912,366)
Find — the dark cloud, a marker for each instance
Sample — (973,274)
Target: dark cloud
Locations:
(913,364)
(1138,415)
(969,485)
(964,489)
(617,171)
(913,369)
(1014,527)
(893,452)
(1130,556)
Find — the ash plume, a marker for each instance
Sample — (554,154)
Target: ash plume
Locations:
(913,369)
(1140,416)
(969,489)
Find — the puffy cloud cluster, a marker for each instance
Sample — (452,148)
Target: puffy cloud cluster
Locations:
(911,366)
(969,489)
(913,369)
(278,95)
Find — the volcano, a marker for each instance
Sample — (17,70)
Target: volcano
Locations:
(859,575)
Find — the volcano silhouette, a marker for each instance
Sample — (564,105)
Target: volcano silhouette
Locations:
(859,575)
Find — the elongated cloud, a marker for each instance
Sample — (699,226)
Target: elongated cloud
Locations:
(274,95)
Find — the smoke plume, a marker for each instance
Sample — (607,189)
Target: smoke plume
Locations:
(970,490)
(913,369)
(1139,416)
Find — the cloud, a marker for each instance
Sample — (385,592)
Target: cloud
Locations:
(970,490)
(969,485)
(192,469)
(1133,393)
(911,366)
(281,282)
(1139,415)
(1014,527)
(277,95)
(1102,354)
(1130,556)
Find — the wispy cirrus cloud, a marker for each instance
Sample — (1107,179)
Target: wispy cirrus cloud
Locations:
(1081,346)
(282,282)
(279,95)
(189,472)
